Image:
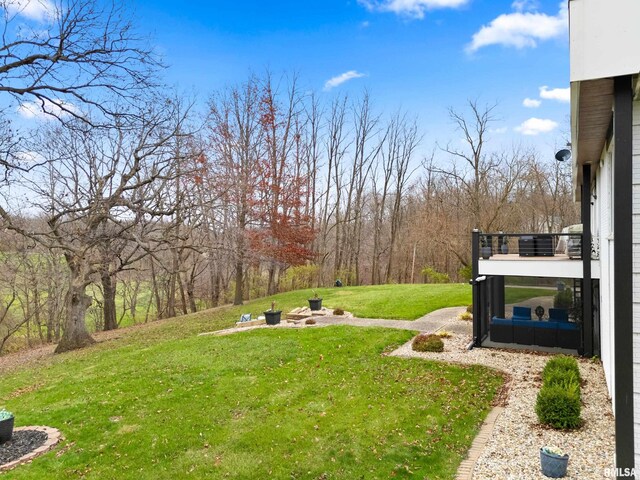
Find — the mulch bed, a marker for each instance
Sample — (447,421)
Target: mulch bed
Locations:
(22,443)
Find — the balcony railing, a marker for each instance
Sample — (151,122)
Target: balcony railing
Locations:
(502,246)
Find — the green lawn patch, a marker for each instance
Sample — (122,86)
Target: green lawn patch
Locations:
(403,301)
(518,294)
(286,404)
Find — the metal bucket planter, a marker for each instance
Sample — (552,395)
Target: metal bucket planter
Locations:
(6,429)
(315,304)
(552,465)
(272,316)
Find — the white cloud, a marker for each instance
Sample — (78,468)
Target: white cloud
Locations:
(410,8)
(340,79)
(524,5)
(38,10)
(536,126)
(559,94)
(48,109)
(531,103)
(499,130)
(520,29)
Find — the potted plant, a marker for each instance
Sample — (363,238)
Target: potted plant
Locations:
(553,462)
(485,247)
(504,245)
(315,303)
(6,425)
(272,316)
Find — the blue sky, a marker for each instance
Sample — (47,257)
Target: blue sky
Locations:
(423,56)
(418,55)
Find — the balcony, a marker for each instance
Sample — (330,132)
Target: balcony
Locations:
(555,255)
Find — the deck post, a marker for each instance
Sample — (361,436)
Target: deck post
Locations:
(587,296)
(475,293)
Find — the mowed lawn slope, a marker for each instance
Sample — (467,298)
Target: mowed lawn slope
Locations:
(405,301)
(279,403)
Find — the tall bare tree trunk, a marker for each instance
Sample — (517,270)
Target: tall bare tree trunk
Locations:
(75,333)
(109,300)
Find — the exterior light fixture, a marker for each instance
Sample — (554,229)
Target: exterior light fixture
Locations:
(563,155)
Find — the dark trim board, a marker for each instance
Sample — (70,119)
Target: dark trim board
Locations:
(623,273)
(587,310)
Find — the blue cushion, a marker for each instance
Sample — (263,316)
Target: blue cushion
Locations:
(548,325)
(567,326)
(518,322)
(501,321)
(522,312)
(559,314)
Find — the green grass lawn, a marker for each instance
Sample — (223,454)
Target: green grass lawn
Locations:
(518,294)
(405,301)
(318,403)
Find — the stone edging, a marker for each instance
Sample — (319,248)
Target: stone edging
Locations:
(465,470)
(53,438)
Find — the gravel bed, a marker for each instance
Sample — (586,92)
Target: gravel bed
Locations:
(512,452)
(21,443)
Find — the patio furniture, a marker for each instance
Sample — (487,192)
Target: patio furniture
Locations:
(554,333)
(558,315)
(545,334)
(523,331)
(501,330)
(527,246)
(544,246)
(521,313)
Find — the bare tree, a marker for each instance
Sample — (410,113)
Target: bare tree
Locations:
(99,185)
(64,58)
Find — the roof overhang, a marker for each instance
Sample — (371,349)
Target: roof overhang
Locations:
(591,118)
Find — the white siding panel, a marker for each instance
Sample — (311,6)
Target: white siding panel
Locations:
(636,169)
(636,327)
(636,200)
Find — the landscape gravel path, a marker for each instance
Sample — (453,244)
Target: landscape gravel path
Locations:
(512,451)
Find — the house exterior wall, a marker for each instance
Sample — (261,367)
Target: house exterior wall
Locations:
(602,234)
(598,28)
(636,277)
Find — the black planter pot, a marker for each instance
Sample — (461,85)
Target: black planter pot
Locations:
(6,429)
(272,317)
(315,304)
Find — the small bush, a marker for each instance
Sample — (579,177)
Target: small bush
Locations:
(433,276)
(338,311)
(563,299)
(310,321)
(470,309)
(444,334)
(562,378)
(466,316)
(559,406)
(465,273)
(562,363)
(427,343)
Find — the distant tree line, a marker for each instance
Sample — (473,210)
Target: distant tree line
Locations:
(124,205)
